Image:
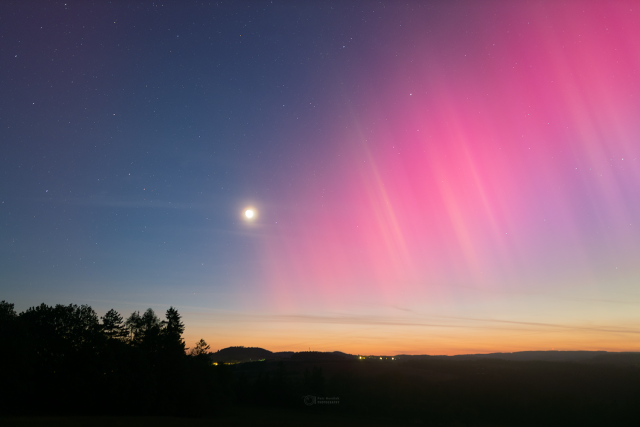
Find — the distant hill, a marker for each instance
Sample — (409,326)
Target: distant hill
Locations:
(249,354)
(321,355)
(547,356)
(240,354)
(283,354)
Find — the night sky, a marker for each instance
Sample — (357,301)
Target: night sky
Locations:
(433,177)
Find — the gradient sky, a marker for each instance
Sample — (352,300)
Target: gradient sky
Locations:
(433,177)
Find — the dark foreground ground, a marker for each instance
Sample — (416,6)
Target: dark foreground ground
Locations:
(238,417)
(422,391)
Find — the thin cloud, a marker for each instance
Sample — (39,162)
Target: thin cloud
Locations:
(445,322)
(402,309)
(606,300)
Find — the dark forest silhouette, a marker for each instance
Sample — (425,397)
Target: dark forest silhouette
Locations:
(63,359)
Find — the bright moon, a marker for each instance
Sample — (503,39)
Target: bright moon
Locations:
(248,213)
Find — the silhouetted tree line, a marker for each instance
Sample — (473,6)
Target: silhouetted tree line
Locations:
(64,359)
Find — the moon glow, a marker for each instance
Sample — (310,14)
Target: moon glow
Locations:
(249,214)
